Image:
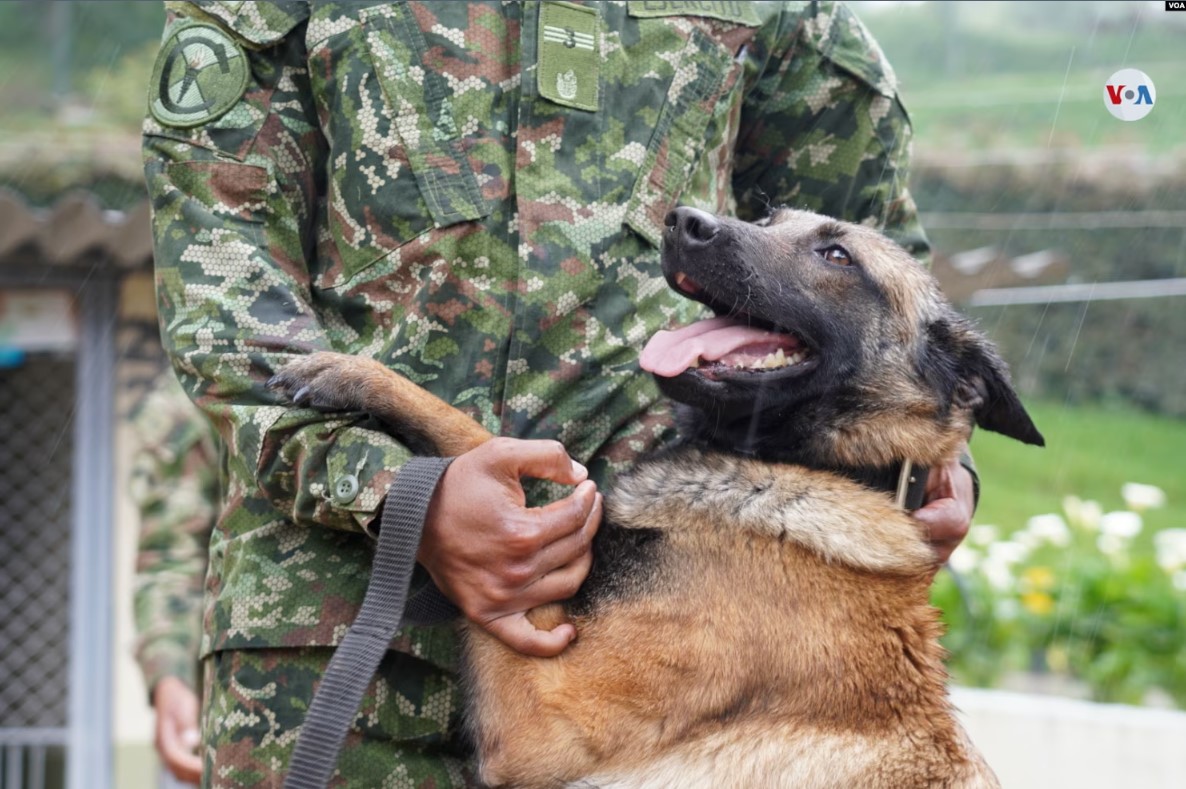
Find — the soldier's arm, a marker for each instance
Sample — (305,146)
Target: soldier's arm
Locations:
(234,172)
(174,484)
(823,128)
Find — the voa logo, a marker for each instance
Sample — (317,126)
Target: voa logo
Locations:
(1129,94)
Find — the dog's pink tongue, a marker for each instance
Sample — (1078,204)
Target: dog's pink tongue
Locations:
(669,353)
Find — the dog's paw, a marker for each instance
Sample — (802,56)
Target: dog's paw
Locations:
(324,380)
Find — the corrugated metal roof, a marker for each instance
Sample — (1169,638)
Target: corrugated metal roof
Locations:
(74,232)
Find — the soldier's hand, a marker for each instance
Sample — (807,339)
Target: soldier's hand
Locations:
(948,504)
(496,558)
(177,738)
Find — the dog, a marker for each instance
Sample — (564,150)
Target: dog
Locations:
(757,613)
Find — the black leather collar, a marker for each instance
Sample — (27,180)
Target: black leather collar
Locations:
(906,482)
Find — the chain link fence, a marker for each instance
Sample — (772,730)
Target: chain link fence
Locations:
(36,409)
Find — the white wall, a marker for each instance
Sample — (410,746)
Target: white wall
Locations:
(1046,742)
(133,719)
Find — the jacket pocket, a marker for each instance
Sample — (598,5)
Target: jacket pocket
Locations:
(706,73)
(396,167)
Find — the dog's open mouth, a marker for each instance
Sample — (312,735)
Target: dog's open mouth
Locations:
(731,345)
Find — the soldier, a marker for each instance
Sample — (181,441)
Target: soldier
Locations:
(473,193)
(174,483)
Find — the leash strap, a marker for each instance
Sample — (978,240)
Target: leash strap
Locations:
(353,665)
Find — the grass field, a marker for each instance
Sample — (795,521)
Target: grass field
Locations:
(1090,452)
(1063,109)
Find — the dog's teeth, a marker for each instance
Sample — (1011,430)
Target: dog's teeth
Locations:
(774,360)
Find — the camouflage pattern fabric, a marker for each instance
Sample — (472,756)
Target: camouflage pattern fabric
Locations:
(174,483)
(395,182)
(255,698)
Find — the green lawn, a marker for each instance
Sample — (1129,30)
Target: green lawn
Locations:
(1038,111)
(1090,452)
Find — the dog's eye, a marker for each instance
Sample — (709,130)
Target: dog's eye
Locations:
(837,255)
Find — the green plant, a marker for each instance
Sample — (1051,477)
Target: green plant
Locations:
(1080,594)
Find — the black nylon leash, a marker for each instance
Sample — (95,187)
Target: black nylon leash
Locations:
(353,665)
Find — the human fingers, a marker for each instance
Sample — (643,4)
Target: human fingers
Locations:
(539,459)
(946,521)
(560,584)
(177,732)
(562,581)
(533,553)
(563,529)
(182,762)
(517,632)
(574,545)
(939,482)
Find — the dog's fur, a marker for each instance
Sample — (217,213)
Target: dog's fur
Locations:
(754,617)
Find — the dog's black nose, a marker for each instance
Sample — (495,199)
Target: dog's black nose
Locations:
(691,227)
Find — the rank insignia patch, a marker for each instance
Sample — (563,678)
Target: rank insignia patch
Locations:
(568,55)
(200,73)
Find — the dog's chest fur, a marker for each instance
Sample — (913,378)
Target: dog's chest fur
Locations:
(767,615)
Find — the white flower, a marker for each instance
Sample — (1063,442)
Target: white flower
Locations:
(1008,552)
(998,574)
(1171,549)
(1142,497)
(1049,528)
(983,534)
(964,559)
(1111,545)
(1121,523)
(1084,514)
(997,565)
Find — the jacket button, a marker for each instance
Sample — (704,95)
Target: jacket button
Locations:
(345,489)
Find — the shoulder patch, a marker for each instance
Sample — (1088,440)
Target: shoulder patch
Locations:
(200,73)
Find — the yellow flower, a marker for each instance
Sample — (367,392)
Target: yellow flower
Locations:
(1038,603)
(1039,579)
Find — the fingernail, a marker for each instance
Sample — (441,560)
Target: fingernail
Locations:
(579,470)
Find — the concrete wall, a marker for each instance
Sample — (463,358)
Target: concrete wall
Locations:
(1044,742)
(135,759)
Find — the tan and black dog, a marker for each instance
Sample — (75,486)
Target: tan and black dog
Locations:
(755,616)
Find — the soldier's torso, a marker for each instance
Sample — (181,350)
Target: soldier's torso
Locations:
(489,214)
(498,177)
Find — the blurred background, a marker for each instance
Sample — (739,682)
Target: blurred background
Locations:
(1060,228)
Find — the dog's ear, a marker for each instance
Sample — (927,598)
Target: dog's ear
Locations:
(964,366)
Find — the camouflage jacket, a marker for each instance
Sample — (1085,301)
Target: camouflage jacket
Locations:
(472,193)
(174,483)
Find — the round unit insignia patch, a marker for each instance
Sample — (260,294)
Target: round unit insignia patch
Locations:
(200,73)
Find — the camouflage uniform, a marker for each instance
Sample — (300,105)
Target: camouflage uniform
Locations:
(474,194)
(174,483)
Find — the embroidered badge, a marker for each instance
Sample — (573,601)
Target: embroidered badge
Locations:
(739,11)
(568,55)
(200,73)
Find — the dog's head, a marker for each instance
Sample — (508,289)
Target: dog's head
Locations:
(831,346)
